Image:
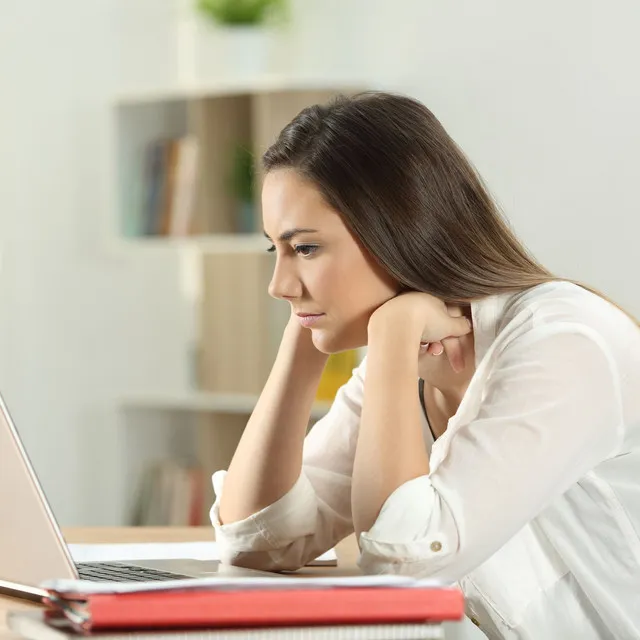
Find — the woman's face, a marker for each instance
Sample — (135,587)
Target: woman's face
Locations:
(321,269)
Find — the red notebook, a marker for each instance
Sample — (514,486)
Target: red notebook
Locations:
(284,605)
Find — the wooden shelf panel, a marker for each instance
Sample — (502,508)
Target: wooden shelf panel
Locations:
(202,401)
(208,243)
(236,86)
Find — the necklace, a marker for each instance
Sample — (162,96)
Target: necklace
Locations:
(424,406)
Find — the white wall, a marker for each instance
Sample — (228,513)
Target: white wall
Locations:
(79,323)
(542,96)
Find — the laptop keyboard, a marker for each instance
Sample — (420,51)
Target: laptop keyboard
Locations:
(120,572)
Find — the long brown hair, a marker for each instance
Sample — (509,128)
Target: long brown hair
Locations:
(408,193)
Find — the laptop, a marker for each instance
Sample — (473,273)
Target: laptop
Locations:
(32,548)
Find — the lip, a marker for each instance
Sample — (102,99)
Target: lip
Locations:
(309,319)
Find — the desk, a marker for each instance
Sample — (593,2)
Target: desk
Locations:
(346,550)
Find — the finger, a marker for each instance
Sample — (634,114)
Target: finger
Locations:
(460,323)
(455,353)
(431,348)
(460,326)
(435,349)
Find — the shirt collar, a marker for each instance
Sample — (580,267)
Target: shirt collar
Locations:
(486,314)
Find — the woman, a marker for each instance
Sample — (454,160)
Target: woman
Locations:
(492,435)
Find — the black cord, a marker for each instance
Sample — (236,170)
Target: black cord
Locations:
(424,407)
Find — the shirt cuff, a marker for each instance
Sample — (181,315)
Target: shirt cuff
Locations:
(277,525)
(412,535)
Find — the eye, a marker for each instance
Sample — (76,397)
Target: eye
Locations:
(306,250)
(272,248)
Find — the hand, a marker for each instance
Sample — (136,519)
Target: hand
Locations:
(452,346)
(301,341)
(435,326)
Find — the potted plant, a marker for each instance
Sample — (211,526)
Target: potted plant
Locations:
(237,37)
(242,13)
(242,186)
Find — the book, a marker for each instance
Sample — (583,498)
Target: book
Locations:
(184,187)
(32,625)
(155,168)
(170,185)
(171,151)
(170,494)
(252,602)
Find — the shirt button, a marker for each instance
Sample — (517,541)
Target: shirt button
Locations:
(475,621)
(436,546)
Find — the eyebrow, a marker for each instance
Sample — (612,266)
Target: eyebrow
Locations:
(287,235)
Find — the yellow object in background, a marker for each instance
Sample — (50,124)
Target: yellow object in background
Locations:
(336,372)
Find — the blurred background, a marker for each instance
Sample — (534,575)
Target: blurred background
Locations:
(135,327)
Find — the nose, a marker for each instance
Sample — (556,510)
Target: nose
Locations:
(285,284)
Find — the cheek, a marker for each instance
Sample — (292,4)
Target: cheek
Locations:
(348,288)
(328,286)
(348,291)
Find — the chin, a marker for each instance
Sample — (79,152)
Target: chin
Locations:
(324,343)
(331,343)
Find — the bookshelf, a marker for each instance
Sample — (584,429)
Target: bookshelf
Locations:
(268,83)
(182,192)
(206,243)
(203,401)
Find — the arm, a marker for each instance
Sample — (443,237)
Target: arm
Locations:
(268,459)
(391,449)
(486,481)
(315,513)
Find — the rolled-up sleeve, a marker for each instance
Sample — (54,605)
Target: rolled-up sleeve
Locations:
(315,513)
(413,527)
(550,411)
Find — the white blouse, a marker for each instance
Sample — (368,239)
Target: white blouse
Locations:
(532,503)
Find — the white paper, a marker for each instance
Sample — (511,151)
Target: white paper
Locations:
(241,584)
(154,551)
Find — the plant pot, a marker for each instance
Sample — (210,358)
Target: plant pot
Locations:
(213,53)
(245,51)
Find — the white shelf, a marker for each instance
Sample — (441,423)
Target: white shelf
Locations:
(235,86)
(213,243)
(204,401)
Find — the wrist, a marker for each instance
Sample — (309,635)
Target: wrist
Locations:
(392,334)
(298,342)
(385,325)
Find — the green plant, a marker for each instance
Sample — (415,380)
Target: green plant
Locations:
(243,173)
(241,12)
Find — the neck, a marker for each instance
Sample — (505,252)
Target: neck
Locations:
(448,387)
(449,398)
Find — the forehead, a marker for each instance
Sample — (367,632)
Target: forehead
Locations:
(288,201)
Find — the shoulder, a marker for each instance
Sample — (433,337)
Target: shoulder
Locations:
(564,308)
(562,349)
(564,341)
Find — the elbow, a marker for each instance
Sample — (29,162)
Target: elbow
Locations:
(259,561)
(261,555)
(416,534)
(433,555)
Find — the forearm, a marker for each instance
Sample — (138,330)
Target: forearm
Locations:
(268,459)
(391,448)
